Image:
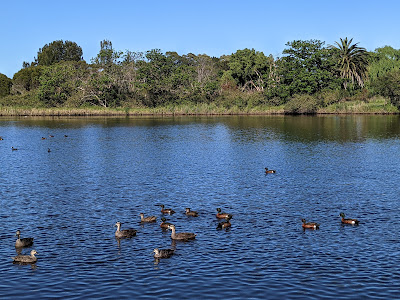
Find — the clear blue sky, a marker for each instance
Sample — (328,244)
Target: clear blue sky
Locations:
(214,27)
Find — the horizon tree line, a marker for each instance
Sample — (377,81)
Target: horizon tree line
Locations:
(59,76)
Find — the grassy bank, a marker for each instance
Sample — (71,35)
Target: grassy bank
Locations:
(375,106)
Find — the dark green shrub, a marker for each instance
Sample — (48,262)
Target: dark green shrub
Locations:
(5,85)
(302,104)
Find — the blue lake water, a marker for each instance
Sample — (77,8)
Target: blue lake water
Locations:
(111,169)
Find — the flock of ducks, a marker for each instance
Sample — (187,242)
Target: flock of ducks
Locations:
(130,232)
(177,236)
(43,138)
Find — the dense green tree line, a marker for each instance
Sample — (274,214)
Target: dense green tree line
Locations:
(308,75)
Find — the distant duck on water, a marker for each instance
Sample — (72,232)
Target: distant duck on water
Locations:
(163,253)
(13,149)
(191,213)
(221,215)
(24,242)
(164,224)
(226,223)
(348,221)
(29,259)
(309,225)
(147,219)
(125,233)
(267,171)
(181,236)
(166,210)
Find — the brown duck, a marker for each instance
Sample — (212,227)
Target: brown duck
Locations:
(147,219)
(25,242)
(221,215)
(309,225)
(26,258)
(226,223)
(164,224)
(125,233)
(181,236)
(166,210)
(191,213)
(349,221)
(163,253)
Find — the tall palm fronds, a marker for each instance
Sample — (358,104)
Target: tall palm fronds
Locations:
(352,61)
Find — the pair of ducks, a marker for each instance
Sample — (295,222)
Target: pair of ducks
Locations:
(24,242)
(226,216)
(313,225)
(149,219)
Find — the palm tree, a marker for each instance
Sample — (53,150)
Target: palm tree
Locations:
(352,61)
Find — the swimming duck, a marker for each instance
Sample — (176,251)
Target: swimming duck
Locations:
(13,149)
(1,138)
(348,221)
(48,150)
(310,225)
(225,224)
(147,219)
(51,135)
(166,210)
(43,138)
(221,215)
(267,171)
(26,258)
(25,242)
(164,224)
(125,233)
(181,236)
(188,212)
(163,253)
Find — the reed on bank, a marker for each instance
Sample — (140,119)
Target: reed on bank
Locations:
(373,106)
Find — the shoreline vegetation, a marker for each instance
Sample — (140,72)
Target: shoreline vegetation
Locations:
(375,106)
(309,78)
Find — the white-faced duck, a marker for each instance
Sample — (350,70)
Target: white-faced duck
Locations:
(309,225)
(147,219)
(226,223)
(191,213)
(221,215)
(348,221)
(181,236)
(166,210)
(29,259)
(267,171)
(125,233)
(163,253)
(164,224)
(25,242)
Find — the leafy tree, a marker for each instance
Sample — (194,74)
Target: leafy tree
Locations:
(389,86)
(250,68)
(382,61)
(154,78)
(107,55)
(5,85)
(352,62)
(61,81)
(58,51)
(307,67)
(26,79)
